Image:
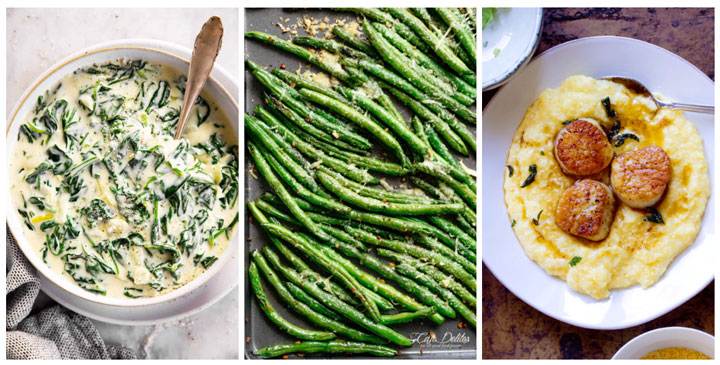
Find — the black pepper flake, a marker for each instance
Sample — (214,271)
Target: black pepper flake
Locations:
(511,171)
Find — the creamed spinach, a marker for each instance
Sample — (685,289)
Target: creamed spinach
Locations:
(108,197)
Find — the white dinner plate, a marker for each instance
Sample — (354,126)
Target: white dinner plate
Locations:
(508,43)
(661,71)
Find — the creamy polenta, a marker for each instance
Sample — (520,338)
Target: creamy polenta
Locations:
(640,246)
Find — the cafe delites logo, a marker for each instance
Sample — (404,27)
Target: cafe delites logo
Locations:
(449,339)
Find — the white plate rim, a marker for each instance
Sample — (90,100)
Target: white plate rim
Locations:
(690,294)
(220,79)
(521,62)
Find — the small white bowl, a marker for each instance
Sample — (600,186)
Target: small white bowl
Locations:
(222,90)
(667,337)
(515,32)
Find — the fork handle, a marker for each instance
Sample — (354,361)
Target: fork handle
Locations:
(707,109)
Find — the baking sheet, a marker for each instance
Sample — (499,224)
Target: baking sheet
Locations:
(446,341)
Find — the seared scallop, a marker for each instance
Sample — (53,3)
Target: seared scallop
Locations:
(582,148)
(586,209)
(640,177)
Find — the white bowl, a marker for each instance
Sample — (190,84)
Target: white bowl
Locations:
(516,33)
(222,90)
(667,337)
(688,274)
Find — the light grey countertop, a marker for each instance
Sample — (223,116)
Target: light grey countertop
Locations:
(38,38)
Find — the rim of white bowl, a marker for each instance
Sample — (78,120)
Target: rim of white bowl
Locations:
(522,61)
(151,45)
(644,341)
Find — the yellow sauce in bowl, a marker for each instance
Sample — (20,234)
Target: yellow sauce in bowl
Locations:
(675,353)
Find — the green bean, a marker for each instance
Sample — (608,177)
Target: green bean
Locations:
(449,241)
(374,90)
(428,188)
(302,309)
(439,147)
(296,261)
(274,317)
(286,147)
(455,303)
(365,162)
(308,149)
(317,117)
(453,231)
(445,35)
(304,193)
(354,42)
(403,225)
(328,45)
(420,130)
(468,213)
(424,15)
(359,119)
(411,208)
(461,189)
(334,69)
(424,60)
(383,270)
(265,170)
(301,127)
(471,18)
(444,280)
(433,245)
(443,52)
(397,126)
(421,78)
(402,29)
(286,94)
(264,139)
(447,265)
(374,193)
(296,80)
(343,308)
(455,142)
(406,317)
(381,302)
(311,302)
(332,347)
(463,34)
(331,267)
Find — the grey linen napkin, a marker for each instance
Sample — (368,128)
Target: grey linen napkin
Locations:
(52,333)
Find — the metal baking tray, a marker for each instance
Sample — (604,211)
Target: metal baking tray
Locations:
(446,341)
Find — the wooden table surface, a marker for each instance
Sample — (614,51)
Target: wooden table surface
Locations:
(513,329)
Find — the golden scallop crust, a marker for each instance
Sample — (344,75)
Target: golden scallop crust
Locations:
(586,210)
(582,148)
(639,177)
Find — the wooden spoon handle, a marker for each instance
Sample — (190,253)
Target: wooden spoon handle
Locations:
(205,51)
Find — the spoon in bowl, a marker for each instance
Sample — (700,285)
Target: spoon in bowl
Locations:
(640,89)
(205,51)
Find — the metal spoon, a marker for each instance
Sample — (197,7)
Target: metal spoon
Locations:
(640,89)
(207,46)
